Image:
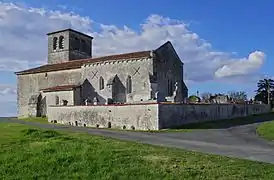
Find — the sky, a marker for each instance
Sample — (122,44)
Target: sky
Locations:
(225,45)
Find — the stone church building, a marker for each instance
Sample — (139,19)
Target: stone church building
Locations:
(73,77)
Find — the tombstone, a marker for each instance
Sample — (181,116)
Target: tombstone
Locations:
(95,101)
(86,101)
(175,90)
(156,95)
(65,102)
(109,101)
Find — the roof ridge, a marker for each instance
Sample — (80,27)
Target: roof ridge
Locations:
(74,64)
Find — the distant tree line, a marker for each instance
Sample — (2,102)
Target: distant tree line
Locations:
(264,94)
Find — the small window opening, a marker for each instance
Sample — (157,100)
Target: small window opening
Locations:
(101,83)
(61,42)
(55,43)
(57,100)
(129,84)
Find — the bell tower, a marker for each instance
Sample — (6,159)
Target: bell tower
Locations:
(68,45)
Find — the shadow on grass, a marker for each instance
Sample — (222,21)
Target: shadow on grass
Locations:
(227,123)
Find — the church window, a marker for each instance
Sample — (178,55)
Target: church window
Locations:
(57,100)
(129,85)
(169,87)
(61,42)
(55,43)
(101,83)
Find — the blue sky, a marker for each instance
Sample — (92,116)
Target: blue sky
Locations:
(234,29)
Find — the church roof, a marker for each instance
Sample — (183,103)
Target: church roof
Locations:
(74,64)
(60,88)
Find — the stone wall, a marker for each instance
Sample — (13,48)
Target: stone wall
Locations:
(148,116)
(142,117)
(56,98)
(72,48)
(30,84)
(169,70)
(172,115)
(118,71)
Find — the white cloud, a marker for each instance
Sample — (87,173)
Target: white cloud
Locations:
(242,66)
(24,42)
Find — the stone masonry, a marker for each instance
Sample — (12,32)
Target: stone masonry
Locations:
(153,116)
(136,77)
(124,90)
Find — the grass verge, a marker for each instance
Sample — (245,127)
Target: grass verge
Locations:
(42,120)
(30,153)
(266,130)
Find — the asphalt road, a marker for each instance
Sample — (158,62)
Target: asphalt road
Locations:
(240,141)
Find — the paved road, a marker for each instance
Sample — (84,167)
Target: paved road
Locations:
(239,142)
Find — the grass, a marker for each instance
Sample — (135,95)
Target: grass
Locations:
(42,120)
(266,130)
(30,153)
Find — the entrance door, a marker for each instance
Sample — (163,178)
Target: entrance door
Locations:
(39,106)
(118,91)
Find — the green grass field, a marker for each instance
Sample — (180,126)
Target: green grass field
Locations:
(34,119)
(30,153)
(266,130)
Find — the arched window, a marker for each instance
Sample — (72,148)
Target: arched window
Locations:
(129,85)
(61,42)
(55,43)
(101,83)
(57,100)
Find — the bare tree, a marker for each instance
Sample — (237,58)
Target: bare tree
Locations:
(238,95)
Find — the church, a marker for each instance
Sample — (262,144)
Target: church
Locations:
(73,77)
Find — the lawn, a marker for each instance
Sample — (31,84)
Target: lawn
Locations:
(34,119)
(30,153)
(266,130)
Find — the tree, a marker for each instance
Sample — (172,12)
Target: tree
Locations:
(265,91)
(237,95)
(193,99)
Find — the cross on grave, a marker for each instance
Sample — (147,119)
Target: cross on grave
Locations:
(136,71)
(94,74)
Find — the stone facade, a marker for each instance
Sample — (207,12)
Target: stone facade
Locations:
(139,116)
(121,91)
(149,116)
(138,77)
(173,115)
(67,45)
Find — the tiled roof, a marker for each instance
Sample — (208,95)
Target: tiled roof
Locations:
(59,88)
(74,64)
